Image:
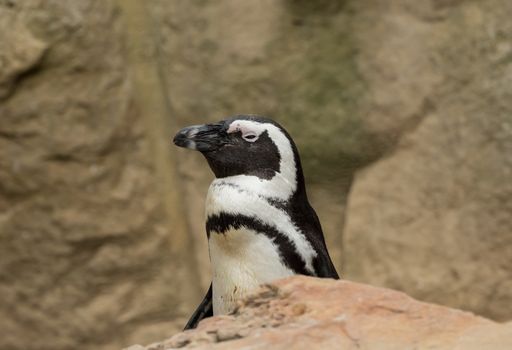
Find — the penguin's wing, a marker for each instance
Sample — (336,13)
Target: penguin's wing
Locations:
(324,266)
(204,310)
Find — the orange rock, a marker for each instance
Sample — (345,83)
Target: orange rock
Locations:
(310,313)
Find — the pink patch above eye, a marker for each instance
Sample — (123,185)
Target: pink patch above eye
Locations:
(235,127)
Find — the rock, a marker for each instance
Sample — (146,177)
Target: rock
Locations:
(135,347)
(20,51)
(91,252)
(433,217)
(310,313)
(100,241)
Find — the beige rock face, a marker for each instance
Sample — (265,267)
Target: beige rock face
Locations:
(401,108)
(433,217)
(86,244)
(308,313)
(20,51)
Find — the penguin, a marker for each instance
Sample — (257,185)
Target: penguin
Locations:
(259,223)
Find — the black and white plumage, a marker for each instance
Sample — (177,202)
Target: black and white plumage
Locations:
(259,222)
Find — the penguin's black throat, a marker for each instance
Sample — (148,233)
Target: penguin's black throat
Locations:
(232,153)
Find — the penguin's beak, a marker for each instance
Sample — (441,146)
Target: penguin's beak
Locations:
(202,138)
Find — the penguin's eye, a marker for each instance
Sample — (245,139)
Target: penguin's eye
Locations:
(250,137)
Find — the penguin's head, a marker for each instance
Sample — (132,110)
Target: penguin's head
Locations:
(244,145)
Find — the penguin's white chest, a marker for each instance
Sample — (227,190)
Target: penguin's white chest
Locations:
(241,261)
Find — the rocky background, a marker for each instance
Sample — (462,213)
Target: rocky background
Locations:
(402,111)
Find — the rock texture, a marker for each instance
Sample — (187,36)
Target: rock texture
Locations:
(308,313)
(434,217)
(400,108)
(87,244)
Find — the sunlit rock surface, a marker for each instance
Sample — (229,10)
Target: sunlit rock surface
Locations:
(309,313)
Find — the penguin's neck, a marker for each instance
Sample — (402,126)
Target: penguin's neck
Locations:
(278,187)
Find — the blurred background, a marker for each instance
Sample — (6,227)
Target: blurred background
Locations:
(402,111)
